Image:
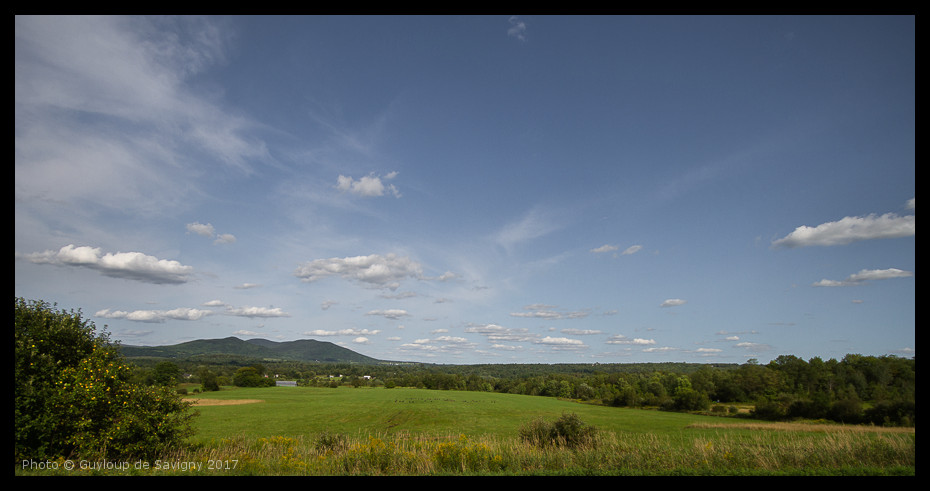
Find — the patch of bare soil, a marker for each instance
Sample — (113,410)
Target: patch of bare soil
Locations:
(223,402)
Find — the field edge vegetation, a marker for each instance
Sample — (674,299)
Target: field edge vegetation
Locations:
(77,400)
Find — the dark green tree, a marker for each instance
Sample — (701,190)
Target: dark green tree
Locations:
(166,374)
(73,393)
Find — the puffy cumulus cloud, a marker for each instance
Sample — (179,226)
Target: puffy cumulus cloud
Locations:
(517,28)
(256,312)
(621,339)
(207,230)
(343,332)
(129,265)
(496,333)
(581,332)
(394,314)
(673,302)
(541,311)
(375,270)
(866,275)
(439,345)
(662,349)
(851,229)
(367,186)
(560,344)
(755,347)
(184,314)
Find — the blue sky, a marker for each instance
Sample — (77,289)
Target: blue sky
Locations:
(480,189)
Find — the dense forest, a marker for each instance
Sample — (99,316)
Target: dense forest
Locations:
(878,390)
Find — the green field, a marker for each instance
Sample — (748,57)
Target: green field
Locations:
(347,431)
(302,411)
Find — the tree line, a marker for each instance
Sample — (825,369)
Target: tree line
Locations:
(76,395)
(877,390)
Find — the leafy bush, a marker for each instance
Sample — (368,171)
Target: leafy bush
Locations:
(328,441)
(74,395)
(567,431)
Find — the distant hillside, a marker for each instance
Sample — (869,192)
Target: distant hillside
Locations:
(305,350)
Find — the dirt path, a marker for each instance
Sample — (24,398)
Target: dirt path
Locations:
(223,402)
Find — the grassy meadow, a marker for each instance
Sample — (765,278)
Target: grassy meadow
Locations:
(413,432)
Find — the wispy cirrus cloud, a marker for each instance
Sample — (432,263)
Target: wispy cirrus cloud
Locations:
(611,248)
(105,101)
(534,224)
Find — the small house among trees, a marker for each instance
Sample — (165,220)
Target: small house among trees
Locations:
(285,383)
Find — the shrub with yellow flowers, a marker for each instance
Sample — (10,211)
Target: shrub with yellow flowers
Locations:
(74,396)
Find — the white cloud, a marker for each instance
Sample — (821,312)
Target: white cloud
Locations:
(368,186)
(343,332)
(256,312)
(621,339)
(536,223)
(394,314)
(866,275)
(129,265)
(604,248)
(581,332)
(496,333)
(186,314)
(673,302)
(541,311)
(517,28)
(851,229)
(662,349)
(631,250)
(207,230)
(561,343)
(380,271)
(103,113)
(757,347)
(225,239)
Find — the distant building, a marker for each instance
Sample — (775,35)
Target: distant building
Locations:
(285,383)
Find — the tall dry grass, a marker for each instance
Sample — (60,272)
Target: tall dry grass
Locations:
(608,454)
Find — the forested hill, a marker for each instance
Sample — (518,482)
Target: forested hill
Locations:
(303,350)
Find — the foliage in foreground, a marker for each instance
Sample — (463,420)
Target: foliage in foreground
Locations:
(74,395)
(328,454)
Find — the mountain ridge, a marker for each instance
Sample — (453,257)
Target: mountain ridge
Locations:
(304,350)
